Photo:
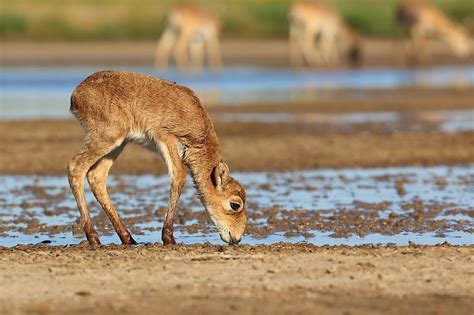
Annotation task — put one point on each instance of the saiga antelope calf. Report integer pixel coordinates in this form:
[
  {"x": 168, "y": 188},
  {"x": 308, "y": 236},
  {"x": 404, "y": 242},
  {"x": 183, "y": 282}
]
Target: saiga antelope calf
[
  {"x": 423, "y": 20},
  {"x": 319, "y": 36},
  {"x": 189, "y": 35},
  {"x": 115, "y": 108}
]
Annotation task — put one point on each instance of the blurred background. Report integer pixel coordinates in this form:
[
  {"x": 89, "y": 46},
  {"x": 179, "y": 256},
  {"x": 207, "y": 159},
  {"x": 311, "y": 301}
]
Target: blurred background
[
  {"x": 109, "y": 20},
  {"x": 47, "y": 47},
  {"x": 67, "y": 40}
]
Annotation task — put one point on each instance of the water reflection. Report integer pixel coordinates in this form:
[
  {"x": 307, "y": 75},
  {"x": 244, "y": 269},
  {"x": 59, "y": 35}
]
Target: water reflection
[
  {"x": 441, "y": 120},
  {"x": 39, "y": 93}
]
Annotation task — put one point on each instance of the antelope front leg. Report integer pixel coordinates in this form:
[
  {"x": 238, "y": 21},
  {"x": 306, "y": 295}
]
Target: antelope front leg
[
  {"x": 175, "y": 192},
  {"x": 181, "y": 51},
  {"x": 163, "y": 49},
  {"x": 419, "y": 46},
  {"x": 177, "y": 174},
  {"x": 214, "y": 53}
]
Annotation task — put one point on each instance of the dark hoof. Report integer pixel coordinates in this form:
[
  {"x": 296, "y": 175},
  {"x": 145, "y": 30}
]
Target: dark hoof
[
  {"x": 168, "y": 240},
  {"x": 93, "y": 240},
  {"x": 131, "y": 241},
  {"x": 167, "y": 236},
  {"x": 127, "y": 238}
]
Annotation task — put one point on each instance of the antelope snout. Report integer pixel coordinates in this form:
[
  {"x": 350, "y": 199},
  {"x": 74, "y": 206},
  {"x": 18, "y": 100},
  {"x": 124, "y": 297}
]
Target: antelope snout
[
  {"x": 234, "y": 240},
  {"x": 230, "y": 239}
]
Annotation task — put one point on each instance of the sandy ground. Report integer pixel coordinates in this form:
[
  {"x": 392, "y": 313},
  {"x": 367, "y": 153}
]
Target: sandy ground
[
  {"x": 204, "y": 279},
  {"x": 235, "y": 52}
]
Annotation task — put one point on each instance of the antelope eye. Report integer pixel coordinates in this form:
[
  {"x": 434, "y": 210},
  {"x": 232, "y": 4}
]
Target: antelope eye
[{"x": 235, "y": 206}]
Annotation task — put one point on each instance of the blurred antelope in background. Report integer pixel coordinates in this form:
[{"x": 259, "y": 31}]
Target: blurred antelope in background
[
  {"x": 190, "y": 34},
  {"x": 115, "y": 108},
  {"x": 319, "y": 36},
  {"x": 423, "y": 21}
]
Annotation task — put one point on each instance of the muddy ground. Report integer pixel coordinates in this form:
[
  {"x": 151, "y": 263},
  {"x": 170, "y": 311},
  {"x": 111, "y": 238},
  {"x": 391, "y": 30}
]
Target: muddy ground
[
  {"x": 205, "y": 279},
  {"x": 45, "y": 146},
  {"x": 42, "y": 209},
  {"x": 270, "y": 53}
]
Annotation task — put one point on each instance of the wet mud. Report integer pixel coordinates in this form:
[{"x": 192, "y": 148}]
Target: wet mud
[
  {"x": 347, "y": 128},
  {"x": 429, "y": 205}
]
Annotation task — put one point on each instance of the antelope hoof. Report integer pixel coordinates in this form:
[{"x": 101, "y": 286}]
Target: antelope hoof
[
  {"x": 93, "y": 240},
  {"x": 130, "y": 241},
  {"x": 168, "y": 240},
  {"x": 167, "y": 236}
]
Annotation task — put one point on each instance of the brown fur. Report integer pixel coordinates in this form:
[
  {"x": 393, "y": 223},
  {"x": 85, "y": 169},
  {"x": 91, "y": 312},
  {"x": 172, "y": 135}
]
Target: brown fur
[
  {"x": 189, "y": 35},
  {"x": 117, "y": 107},
  {"x": 422, "y": 21},
  {"x": 320, "y": 36}
]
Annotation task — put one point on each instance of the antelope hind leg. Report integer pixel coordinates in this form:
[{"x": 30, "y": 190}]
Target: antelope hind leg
[
  {"x": 97, "y": 177},
  {"x": 92, "y": 151}
]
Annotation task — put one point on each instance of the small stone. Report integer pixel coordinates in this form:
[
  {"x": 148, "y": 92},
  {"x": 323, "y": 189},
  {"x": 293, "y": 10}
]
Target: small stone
[{"x": 82, "y": 293}]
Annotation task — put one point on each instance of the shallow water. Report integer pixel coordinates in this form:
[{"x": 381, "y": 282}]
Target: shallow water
[
  {"x": 347, "y": 206},
  {"x": 44, "y": 93},
  {"x": 443, "y": 120}
]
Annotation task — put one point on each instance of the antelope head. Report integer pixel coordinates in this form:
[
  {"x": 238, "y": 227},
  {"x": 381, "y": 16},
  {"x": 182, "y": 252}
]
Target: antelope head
[
  {"x": 459, "y": 39},
  {"x": 225, "y": 204}
]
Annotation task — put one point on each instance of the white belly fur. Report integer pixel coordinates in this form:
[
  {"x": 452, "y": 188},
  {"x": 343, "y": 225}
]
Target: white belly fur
[{"x": 156, "y": 145}]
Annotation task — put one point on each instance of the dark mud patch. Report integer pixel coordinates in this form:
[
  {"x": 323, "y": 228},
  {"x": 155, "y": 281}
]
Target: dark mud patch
[
  {"x": 36, "y": 147},
  {"x": 376, "y": 122}
]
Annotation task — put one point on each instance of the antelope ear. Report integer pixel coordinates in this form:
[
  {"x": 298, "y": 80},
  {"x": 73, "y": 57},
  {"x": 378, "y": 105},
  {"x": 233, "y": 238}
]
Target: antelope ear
[{"x": 220, "y": 175}]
